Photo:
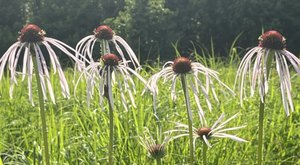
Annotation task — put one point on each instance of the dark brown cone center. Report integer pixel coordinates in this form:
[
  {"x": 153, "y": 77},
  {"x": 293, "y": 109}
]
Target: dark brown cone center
[
  {"x": 110, "y": 59},
  {"x": 104, "y": 32},
  {"x": 157, "y": 151},
  {"x": 204, "y": 131},
  {"x": 31, "y": 33},
  {"x": 272, "y": 40},
  {"x": 182, "y": 65}
]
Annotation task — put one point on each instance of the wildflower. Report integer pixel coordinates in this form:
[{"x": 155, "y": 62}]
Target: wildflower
[
  {"x": 155, "y": 149},
  {"x": 257, "y": 64},
  {"x": 105, "y": 35},
  {"x": 29, "y": 44},
  {"x": 172, "y": 70},
  {"x": 205, "y": 133},
  {"x": 108, "y": 71}
]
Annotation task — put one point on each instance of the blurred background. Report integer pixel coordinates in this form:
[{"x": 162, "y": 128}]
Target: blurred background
[{"x": 154, "y": 27}]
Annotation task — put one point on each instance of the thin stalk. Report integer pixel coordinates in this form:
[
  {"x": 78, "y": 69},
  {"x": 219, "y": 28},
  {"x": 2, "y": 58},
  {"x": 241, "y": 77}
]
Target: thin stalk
[
  {"x": 111, "y": 119},
  {"x": 268, "y": 64},
  {"x": 158, "y": 161},
  {"x": 260, "y": 132},
  {"x": 189, "y": 114},
  {"x": 104, "y": 47},
  {"x": 111, "y": 135},
  {"x": 42, "y": 110},
  {"x": 204, "y": 154}
]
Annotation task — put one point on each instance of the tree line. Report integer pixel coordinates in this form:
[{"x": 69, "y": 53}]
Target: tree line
[{"x": 153, "y": 27}]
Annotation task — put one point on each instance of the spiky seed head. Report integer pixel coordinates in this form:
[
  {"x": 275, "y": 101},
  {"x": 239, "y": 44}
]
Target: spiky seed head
[
  {"x": 203, "y": 131},
  {"x": 182, "y": 65},
  {"x": 104, "y": 32},
  {"x": 272, "y": 40},
  {"x": 110, "y": 59},
  {"x": 157, "y": 151},
  {"x": 31, "y": 33}
]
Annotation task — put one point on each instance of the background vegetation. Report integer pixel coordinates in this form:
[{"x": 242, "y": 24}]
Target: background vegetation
[{"x": 151, "y": 26}]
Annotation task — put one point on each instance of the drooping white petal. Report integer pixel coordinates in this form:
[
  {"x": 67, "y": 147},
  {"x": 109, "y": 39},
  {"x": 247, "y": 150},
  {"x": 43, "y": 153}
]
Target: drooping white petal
[
  {"x": 40, "y": 72},
  {"x": 25, "y": 62},
  {"x": 206, "y": 141},
  {"x": 30, "y": 73},
  {"x": 128, "y": 49}
]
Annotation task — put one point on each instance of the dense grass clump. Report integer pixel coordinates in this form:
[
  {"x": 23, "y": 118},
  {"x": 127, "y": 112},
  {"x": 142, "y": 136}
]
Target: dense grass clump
[{"x": 79, "y": 134}]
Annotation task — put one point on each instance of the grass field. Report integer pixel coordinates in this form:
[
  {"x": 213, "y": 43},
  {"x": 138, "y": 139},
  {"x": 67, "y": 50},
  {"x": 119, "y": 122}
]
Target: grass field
[{"x": 79, "y": 134}]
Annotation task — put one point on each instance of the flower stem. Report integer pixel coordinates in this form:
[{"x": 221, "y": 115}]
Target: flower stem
[
  {"x": 159, "y": 161},
  {"x": 189, "y": 114},
  {"x": 111, "y": 119},
  {"x": 42, "y": 111},
  {"x": 260, "y": 132},
  {"x": 204, "y": 155},
  {"x": 111, "y": 135}
]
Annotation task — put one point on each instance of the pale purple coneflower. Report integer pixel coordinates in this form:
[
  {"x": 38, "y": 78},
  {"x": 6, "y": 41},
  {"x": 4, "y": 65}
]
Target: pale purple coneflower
[
  {"x": 256, "y": 65},
  {"x": 108, "y": 71},
  {"x": 172, "y": 70},
  {"x": 105, "y": 35},
  {"x": 188, "y": 73},
  {"x": 28, "y": 46},
  {"x": 155, "y": 148},
  {"x": 204, "y": 132}
]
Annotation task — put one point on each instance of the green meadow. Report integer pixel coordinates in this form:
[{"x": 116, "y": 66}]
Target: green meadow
[{"x": 78, "y": 134}]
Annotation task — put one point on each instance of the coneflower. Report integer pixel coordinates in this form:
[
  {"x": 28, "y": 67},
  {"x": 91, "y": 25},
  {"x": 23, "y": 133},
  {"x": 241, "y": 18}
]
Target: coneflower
[
  {"x": 257, "y": 64},
  {"x": 105, "y": 35},
  {"x": 188, "y": 72},
  {"x": 106, "y": 73},
  {"x": 204, "y": 132},
  {"x": 155, "y": 149},
  {"x": 28, "y": 47}
]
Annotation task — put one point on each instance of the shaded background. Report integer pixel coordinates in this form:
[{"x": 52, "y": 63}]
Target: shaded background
[{"x": 152, "y": 26}]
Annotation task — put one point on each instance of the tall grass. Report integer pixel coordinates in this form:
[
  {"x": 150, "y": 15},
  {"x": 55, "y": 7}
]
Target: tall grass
[{"x": 79, "y": 135}]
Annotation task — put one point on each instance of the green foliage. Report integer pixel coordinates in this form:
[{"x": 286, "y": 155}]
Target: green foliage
[
  {"x": 143, "y": 22},
  {"x": 10, "y": 23},
  {"x": 79, "y": 135},
  {"x": 151, "y": 26}
]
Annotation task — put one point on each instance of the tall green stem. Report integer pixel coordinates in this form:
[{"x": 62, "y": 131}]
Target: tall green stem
[
  {"x": 260, "y": 132},
  {"x": 111, "y": 120},
  {"x": 188, "y": 110},
  {"x": 268, "y": 64},
  {"x": 159, "y": 161},
  {"x": 204, "y": 155},
  {"x": 42, "y": 110}
]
